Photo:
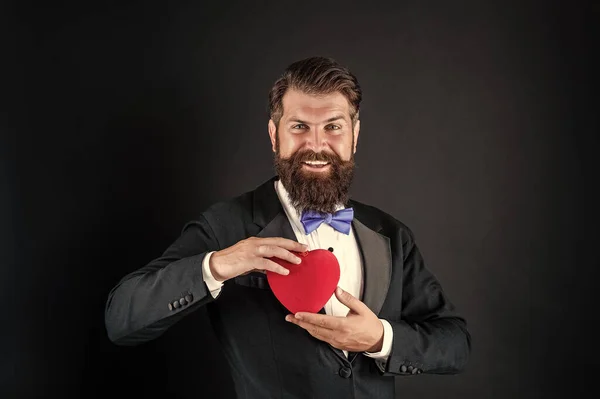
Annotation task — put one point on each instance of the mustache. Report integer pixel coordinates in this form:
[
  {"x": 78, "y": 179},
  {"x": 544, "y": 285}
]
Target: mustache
[{"x": 312, "y": 156}]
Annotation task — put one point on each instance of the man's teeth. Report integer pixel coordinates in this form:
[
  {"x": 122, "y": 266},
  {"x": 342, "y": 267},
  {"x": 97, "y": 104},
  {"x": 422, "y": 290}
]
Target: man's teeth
[{"x": 316, "y": 163}]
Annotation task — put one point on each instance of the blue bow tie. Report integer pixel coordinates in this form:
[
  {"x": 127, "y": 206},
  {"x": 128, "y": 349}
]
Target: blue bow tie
[{"x": 340, "y": 220}]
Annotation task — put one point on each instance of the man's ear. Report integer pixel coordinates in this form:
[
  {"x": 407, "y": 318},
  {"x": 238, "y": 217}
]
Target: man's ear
[
  {"x": 356, "y": 131},
  {"x": 272, "y": 133}
]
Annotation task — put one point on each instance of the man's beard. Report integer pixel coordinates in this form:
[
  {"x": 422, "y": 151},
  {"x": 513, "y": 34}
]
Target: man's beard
[{"x": 316, "y": 191}]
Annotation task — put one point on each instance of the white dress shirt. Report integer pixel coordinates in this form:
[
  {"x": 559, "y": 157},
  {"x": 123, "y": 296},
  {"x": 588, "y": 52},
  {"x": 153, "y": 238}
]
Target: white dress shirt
[{"x": 345, "y": 249}]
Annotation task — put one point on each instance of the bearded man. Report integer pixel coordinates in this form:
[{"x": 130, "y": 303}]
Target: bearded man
[{"x": 388, "y": 317}]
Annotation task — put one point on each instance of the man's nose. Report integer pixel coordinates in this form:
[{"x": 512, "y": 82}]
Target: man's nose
[{"x": 317, "y": 140}]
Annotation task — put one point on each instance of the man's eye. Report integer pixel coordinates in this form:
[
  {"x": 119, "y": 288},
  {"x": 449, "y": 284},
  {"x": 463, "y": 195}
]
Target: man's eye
[
  {"x": 333, "y": 127},
  {"x": 300, "y": 126}
]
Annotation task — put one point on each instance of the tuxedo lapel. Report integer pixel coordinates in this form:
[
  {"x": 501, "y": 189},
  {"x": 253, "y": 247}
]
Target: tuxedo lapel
[
  {"x": 278, "y": 227},
  {"x": 268, "y": 214},
  {"x": 377, "y": 264}
]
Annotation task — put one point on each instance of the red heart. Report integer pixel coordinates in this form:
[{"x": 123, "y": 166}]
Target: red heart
[{"x": 310, "y": 284}]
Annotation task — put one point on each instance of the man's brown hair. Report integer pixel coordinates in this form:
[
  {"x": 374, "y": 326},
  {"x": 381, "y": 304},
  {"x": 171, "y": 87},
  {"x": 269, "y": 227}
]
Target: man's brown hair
[{"x": 315, "y": 76}]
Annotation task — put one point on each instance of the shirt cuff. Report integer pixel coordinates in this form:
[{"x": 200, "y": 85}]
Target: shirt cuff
[
  {"x": 213, "y": 285},
  {"x": 386, "y": 347}
]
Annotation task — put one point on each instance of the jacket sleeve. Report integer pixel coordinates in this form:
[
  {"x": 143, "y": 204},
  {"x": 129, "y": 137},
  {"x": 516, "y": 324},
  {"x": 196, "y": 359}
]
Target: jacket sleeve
[
  {"x": 146, "y": 302},
  {"x": 430, "y": 336}
]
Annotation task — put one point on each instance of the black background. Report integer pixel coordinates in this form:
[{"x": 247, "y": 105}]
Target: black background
[{"x": 122, "y": 121}]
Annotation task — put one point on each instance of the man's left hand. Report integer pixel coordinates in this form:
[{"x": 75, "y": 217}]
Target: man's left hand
[{"x": 360, "y": 331}]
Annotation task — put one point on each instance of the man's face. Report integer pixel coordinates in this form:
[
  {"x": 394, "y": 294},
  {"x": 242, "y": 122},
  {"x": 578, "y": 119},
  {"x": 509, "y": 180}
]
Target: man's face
[
  {"x": 314, "y": 147},
  {"x": 315, "y": 123}
]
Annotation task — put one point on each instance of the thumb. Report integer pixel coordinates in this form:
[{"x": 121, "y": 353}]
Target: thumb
[{"x": 347, "y": 299}]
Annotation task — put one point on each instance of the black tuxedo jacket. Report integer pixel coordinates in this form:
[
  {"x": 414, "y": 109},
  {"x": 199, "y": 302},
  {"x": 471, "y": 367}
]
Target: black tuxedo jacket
[{"x": 269, "y": 357}]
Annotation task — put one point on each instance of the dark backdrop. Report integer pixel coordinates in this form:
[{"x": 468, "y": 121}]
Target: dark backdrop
[{"x": 122, "y": 121}]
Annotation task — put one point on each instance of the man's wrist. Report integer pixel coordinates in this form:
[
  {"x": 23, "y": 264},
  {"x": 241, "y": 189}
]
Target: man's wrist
[
  {"x": 387, "y": 341},
  {"x": 213, "y": 268},
  {"x": 379, "y": 344},
  {"x": 213, "y": 285}
]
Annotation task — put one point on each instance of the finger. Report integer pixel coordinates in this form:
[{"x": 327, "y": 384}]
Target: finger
[
  {"x": 285, "y": 243},
  {"x": 318, "y": 332},
  {"x": 273, "y": 251},
  {"x": 354, "y": 304},
  {"x": 321, "y": 320},
  {"x": 266, "y": 264}
]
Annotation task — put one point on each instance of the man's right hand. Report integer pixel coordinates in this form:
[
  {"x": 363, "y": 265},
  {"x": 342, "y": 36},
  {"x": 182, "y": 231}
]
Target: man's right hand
[{"x": 251, "y": 255}]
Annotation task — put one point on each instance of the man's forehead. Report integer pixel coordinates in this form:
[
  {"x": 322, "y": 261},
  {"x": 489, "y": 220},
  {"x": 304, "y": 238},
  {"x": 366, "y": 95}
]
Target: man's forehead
[{"x": 298, "y": 104}]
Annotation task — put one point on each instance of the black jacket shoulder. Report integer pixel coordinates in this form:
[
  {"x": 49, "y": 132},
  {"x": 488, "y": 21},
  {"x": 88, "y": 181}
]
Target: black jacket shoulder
[{"x": 382, "y": 222}]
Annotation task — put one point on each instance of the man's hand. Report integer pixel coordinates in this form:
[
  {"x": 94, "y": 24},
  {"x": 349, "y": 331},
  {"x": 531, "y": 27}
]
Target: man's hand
[
  {"x": 251, "y": 255},
  {"x": 360, "y": 331}
]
